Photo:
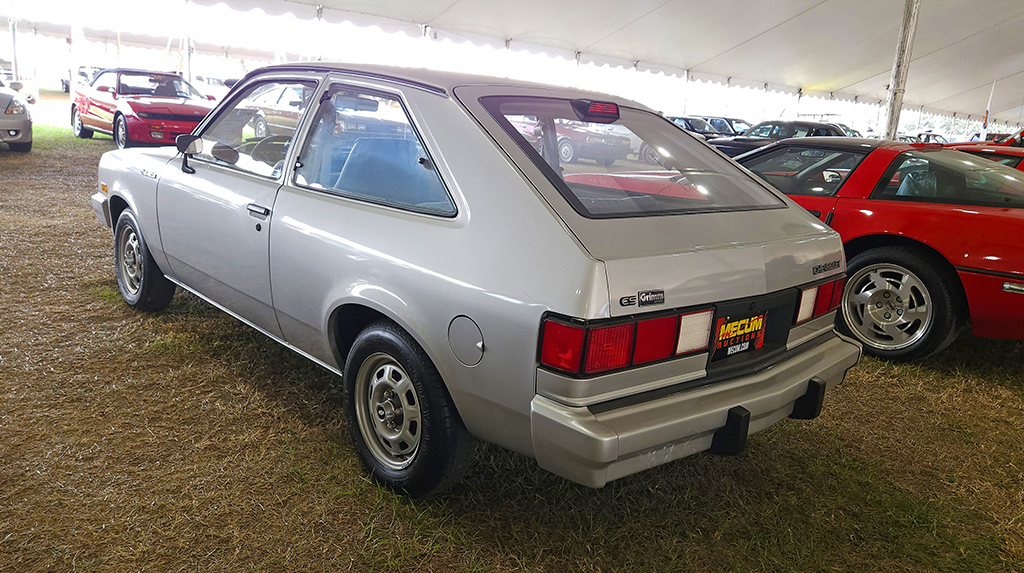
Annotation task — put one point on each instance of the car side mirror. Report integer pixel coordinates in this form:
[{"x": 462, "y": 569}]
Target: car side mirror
[
  {"x": 104, "y": 89},
  {"x": 17, "y": 86},
  {"x": 188, "y": 145},
  {"x": 210, "y": 97}
]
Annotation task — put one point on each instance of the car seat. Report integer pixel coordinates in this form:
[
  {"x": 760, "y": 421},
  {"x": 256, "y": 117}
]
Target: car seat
[
  {"x": 918, "y": 184},
  {"x": 389, "y": 169},
  {"x": 165, "y": 89}
]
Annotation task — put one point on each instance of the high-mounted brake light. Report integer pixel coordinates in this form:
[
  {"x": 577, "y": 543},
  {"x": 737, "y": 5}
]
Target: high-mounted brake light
[{"x": 595, "y": 111}]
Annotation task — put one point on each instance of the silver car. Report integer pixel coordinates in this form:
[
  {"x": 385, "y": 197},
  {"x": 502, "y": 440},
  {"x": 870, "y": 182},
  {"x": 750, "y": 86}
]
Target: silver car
[
  {"x": 15, "y": 119},
  {"x": 465, "y": 283}
]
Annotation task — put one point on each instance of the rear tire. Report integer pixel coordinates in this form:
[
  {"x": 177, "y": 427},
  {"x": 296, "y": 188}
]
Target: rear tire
[
  {"x": 77, "y": 127},
  {"x": 143, "y": 286},
  {"x": 403, "y": 423},
  {"x": 567, "y": 151},
  {"x": 608, "y": 162},
  {"x": 901, "y": 303},
  {"x": 648, "y": 155},
  {"x": 24, "y": 147}
]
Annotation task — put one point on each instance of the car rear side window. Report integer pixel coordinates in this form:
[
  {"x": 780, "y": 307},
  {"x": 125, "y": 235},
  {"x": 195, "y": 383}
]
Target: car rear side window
[
  {"x": 947, "y": 176},
  {"x": 253, "y": 132},
  {"x": 800, "y": 170},
  {"x": 639, "y": 165},
  {"x": 362, "y": 145},
  {"x": 720, "y": 124}
]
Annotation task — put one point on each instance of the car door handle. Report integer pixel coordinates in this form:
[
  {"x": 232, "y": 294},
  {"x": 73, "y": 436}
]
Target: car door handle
[{"x": 258, "y": 211}]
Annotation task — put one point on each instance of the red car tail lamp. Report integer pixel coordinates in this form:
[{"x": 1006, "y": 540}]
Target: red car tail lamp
[
  {"x": 609, "y": 348},
  {"x": 563, "y": 346},
  {"x": 588, "y": 350},
  {"x": 820, "y": 299}
]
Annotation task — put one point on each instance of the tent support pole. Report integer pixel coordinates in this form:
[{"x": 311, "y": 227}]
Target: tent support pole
[
  {"x": 13, "y": 22},
  {"x": 900, "y": 67},
  {"x": 984, "y": 122}
]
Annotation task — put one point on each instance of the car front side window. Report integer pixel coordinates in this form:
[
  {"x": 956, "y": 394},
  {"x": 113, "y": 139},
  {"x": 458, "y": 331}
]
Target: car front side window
[
  {"x": 762, "y": 131},
  {"x": 239, "y": 135},
  {"x": 362, "y": 145}
]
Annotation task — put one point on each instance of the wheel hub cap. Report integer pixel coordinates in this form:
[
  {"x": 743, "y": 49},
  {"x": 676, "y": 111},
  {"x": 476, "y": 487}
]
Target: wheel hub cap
[
  {"x": 388, "y": 411},
  {"x": 887, "y": 306},
  {"x": 131, "y": 260}
]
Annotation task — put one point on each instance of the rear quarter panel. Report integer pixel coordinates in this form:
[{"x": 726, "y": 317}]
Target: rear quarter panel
[{"x": 504, "y": 261}]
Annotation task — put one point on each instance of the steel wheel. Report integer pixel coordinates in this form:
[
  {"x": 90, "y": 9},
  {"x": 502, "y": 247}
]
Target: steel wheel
[
  {"x": 566, "y": 152},
  {"x": 76, "y": 123},
  {"x": 121, "y": 132},
  {"x": 887, "y": 306},
  {"x": 131, "y": 259},
  {"x": 388, "y": 411},
  {"x": 259, "y": 128}
]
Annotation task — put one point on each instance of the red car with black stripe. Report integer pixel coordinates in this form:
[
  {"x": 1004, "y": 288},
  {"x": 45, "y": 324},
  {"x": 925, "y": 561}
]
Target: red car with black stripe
[
  {"x": 932, "y": 236},
  {"x": 138, "y": 107}
]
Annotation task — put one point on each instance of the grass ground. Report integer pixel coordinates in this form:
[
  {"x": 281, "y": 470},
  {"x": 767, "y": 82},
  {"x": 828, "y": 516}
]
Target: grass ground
[{"x": 184, "y": 441}]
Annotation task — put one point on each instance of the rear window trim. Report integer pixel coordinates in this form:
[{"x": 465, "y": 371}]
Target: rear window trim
[{"x": 559, "y": 184}]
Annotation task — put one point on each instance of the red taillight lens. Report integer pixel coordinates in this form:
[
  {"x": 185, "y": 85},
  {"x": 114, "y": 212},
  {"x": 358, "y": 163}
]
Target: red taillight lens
[
  {"x": 694, "y": 331},
  {"x": 823, "y": 299},
  {"x": 609, "y": 348},
  {"x": 562, "y": 347},
  {"x": 655, "y": 339},
  {"x": 837, "y": 294}
]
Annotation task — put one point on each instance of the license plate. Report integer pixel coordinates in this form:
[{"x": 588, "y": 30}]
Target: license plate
[{"x": 734, "y": 335}]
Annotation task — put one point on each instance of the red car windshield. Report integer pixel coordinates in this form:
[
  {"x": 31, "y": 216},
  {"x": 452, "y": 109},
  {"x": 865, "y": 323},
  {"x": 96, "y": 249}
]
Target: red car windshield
[
  {"x": 156, "y": 85},
  {"x": 639, "y": 165}
]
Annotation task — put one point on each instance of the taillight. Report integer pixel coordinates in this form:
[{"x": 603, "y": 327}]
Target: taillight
[
  {"x": 609, "y": 348},
  {"x": 563, "y": 346},
  {"x": 820, "y": 299},
  {"x": 655, "y": 339},
  {"x": 694, "y": 331},
  {"x": 592, "y": 350}
]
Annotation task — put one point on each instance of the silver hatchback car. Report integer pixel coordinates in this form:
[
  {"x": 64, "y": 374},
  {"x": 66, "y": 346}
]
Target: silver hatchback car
[{"x": 419, "y": 234}]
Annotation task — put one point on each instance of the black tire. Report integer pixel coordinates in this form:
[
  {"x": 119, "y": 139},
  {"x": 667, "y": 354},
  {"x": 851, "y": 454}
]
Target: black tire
[
  {"x": 259, "y": 128},
  {"x": 648, "y": 155},
  {"x": 143, "y": 286},
  {"x": 607, "y": 162},
  {"x": 864, "y": 314},
  {"x": 121, "y": 137},
  {"x": 21, "y": 147},
  {"x": 444, "y": 448},
  {"x": 76, "y": 125},
  {"x": 567, "y": 151}
]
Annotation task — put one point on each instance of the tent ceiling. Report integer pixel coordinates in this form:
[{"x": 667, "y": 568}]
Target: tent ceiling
[{"x": 840, "y": 46}]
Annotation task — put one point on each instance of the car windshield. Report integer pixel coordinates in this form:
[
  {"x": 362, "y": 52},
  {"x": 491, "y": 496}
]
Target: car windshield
[
  {"x": 701, "y": 126},
  {"x": 949, "y": 176},
  {"x": 740, "y": 126},
  {"x": 159, "y": 85},
  {"x": 602, "y": 173}
]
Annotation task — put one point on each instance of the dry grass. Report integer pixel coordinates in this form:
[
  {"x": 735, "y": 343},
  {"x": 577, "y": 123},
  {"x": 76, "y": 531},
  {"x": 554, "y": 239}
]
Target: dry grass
[{"x": 186, "y": 442}]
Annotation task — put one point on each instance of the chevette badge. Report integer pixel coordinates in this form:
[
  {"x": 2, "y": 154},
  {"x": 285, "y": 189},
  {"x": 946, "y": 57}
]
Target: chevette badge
[
  {"x": 825, "y": 267},
  {"x": 649, "y": 297}
]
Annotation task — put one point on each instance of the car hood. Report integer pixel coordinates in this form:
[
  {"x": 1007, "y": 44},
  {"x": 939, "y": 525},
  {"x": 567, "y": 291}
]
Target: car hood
[{"x": 197, "y": 107}]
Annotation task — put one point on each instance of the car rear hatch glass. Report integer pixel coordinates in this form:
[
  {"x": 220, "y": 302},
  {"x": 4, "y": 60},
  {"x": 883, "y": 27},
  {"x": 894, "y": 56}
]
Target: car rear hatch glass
[{"x": 638, "y": 165}]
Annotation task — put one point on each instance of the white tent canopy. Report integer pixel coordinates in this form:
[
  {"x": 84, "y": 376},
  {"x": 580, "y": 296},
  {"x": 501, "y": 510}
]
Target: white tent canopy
[{"x": 839, "y": 47}]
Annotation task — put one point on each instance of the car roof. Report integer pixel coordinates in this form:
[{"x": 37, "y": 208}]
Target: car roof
[{"x": 432, "y": 80}]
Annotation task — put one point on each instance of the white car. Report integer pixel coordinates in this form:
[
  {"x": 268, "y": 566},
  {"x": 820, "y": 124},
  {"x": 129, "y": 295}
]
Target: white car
[
  {"x": 16, "y": 120},
  {"x": 408, "y": 232}
]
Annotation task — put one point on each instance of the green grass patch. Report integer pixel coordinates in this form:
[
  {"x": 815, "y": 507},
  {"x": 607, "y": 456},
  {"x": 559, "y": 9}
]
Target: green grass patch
[{"x": 62, "y": 140}]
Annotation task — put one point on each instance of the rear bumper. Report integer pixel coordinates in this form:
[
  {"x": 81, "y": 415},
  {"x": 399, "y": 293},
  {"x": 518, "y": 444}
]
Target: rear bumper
[
  {"x": 593, "y": 449},
  {"x": 15, "y": 130}
]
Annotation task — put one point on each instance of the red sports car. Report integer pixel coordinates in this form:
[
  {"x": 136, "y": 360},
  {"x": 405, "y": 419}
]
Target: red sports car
[
  {"x": 932, "y": 235},
  {"x": 138, "y": 107}
]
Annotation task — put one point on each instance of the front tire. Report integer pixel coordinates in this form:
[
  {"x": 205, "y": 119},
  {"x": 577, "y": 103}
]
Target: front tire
[
  {"x": 140, "y": 281},
  {"x": 900, "y": 303},
  {"x": 403, "y": 423},
  {"x": 121, "y": 133},
  {"x": 77, "y": 127}
]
